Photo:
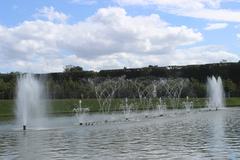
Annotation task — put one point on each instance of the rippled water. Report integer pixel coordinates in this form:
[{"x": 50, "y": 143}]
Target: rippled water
[{"x": 195, "y": 135}]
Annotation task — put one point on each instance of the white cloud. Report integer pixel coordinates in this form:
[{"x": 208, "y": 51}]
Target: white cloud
[
  {"x": 205, "y": 54},
  {"x": 195, "y": 55},
  {"x": 204, "y": 9},
  {"x": 216, "y": 26},
  {"x": 108, "y": 39},
  {"x": 108, "y": 31},
  {"x": 51, "y": 14},
  {"x": 238, "y": 35}
]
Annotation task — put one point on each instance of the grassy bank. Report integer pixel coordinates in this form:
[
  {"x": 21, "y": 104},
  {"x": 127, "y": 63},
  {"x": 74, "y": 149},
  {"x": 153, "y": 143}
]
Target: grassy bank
[{"x": 57, "y": 106}]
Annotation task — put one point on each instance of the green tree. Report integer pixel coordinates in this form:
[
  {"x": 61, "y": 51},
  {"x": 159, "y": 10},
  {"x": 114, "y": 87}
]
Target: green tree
[
  {"x": 199, "y": 89},
  {"x": 229, "y": 87},
  {"x": 71, "y": 68}
]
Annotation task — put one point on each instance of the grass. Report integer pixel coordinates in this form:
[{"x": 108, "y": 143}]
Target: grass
[
  {"x": 233, "y": 102},
  {"x": 7, "y": 107},
  {"x": 59, "y": 106}
]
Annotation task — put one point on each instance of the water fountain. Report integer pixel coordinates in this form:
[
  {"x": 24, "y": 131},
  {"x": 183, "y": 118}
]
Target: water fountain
[
  {"x": 161, "y": 106},
  {"x": 215, "y": 92},
  {"x": 188, "y": 105},
  {"x": 126, "y": 109},
  {"x": 30, "y": 106},
  {"x": 80, "y": 111},
  {"x": 173, "y": 89},
  {"x": 105, "y": 92}
]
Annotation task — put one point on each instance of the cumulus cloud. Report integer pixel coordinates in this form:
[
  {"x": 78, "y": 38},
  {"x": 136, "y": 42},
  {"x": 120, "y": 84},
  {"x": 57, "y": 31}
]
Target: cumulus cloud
[
  {"x": 111, "y": 30},
  {"x": 204, "y": 9},
  {"x": 108, "y": 39},
  {"x": 108, "y": 31},
  {"x": 216, "y": 26},
  {"x": 51, "y": 14}
]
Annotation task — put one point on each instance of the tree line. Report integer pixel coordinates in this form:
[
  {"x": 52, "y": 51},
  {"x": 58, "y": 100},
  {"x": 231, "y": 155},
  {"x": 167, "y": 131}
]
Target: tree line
[{"x": 74, "y": 82}]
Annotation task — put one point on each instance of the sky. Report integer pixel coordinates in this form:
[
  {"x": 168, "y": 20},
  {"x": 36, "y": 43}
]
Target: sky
[{"x": 46, "y": 35}]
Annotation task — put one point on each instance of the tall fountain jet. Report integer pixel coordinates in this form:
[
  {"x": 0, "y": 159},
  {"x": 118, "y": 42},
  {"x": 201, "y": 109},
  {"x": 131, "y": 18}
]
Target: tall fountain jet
[
  {"x": 30, "y": 106},
  {"x": 215, "y": 93}
]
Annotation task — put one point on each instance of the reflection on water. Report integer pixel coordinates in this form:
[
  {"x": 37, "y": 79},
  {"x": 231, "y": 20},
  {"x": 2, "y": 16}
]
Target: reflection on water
[{"x": 197, "y": 135}]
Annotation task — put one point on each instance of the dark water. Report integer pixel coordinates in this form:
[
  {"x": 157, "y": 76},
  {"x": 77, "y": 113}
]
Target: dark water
[{"x": 196, "y": 135}]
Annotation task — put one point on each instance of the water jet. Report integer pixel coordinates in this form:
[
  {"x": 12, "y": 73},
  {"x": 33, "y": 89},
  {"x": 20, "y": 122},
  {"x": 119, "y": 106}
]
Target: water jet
[
  {"x": 30, "y": 107},
  {"x": 216, "y": 98}
]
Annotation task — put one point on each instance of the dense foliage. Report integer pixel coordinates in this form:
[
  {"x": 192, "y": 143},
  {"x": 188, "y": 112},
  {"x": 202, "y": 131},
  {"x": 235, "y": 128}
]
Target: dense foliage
[{"x": 74, "y": 82}]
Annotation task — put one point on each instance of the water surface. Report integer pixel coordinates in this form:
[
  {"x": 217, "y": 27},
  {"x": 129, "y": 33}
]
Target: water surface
[{"x": 195, "y": 135}]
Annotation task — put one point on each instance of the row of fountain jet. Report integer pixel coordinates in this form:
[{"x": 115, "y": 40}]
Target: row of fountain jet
[
  {"x": 30, "y": 91},
  {"x": 150, "y": 102}
]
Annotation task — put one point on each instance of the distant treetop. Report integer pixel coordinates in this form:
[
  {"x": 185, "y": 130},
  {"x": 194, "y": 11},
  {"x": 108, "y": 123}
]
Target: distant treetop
[{"x": 72, "y": 68}]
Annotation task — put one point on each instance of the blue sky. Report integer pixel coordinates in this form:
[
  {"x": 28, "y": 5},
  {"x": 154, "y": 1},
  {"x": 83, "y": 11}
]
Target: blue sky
[{"x": 44, "y": 36}]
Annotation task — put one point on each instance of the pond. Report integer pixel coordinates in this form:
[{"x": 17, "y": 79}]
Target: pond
[{"x": 176, "y": 135}]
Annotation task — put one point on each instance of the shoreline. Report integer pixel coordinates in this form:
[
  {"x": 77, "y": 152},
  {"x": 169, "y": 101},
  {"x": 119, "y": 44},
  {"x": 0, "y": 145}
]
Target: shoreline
[{"x": 65, "y": 106}]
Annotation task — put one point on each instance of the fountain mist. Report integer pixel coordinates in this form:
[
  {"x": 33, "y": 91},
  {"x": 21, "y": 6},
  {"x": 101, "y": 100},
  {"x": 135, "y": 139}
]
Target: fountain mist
[
  {"x": 215, "y": 93},
  {"x": 30, "y": 106}
]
